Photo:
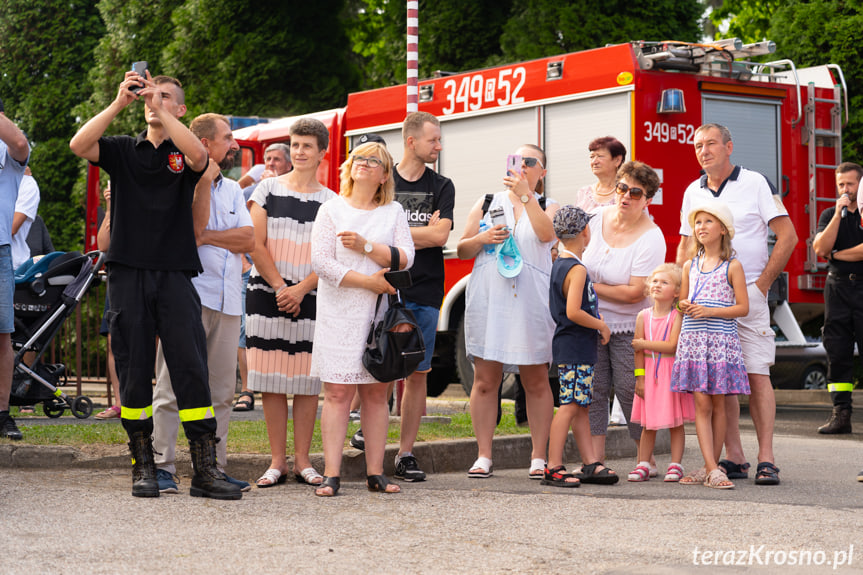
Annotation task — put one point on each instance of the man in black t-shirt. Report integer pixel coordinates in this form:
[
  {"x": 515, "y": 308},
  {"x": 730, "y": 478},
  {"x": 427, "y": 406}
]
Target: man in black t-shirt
[
  {"x": 840, "y": 241},
  {"x": 428, "y": 199},
  {"x": 151, "y": 260}
]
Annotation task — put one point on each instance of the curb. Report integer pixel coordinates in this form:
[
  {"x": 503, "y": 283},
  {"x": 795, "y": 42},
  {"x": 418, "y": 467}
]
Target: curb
[{"x": 509, "y": 452}]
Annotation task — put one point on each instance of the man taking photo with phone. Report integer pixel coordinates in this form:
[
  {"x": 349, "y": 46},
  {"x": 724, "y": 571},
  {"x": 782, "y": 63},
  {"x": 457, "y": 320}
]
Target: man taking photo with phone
[{"x": 151, "y": 260}]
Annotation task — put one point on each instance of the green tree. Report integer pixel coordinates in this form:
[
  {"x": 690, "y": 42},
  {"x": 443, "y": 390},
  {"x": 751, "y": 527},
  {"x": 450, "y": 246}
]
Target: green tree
[
  {"x": 453, "y": 36},
  {"x": 539, "y": 28},
  {"x": 235, "y": 58},
  {"x": 826, "y": 31},
  {"x": 46, "y": 50},
  {"x": 748, "y": 20},
  {"x": 137, "y": 30}
]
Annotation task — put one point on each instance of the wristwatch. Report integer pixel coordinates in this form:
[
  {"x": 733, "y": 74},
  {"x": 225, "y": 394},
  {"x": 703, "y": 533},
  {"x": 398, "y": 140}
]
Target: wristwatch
[
  {"x": 525, "y": 199},
  {"x": 367, "y": 249}
]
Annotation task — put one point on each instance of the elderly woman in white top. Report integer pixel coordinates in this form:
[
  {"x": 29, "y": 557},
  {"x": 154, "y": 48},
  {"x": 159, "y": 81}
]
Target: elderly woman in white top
[
  {"x": 607, "y": 154},
  {"x": 625, "y": 247},
  {"x": 508, "y": 327}
]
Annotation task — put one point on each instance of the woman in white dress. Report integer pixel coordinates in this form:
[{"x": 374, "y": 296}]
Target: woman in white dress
[
  {"x": 508, "y": 327},
  {"x": 351, "y": 243},
  {"x": 607, "y": 154}
]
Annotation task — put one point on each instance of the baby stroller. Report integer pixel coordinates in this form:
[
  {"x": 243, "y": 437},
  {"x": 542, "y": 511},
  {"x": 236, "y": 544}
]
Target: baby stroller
[{"x": 46, "y": 293}]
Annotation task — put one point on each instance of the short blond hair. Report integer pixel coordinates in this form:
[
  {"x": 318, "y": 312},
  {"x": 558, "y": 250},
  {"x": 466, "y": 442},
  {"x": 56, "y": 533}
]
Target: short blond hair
[
  {"x": 386, "y": 191},
  {"x": 414, "y": 123}
]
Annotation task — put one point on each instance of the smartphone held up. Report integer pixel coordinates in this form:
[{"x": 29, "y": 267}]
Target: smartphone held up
[
  {"x": 513, "y": 164},
  {"x": 139, "y": 68}
]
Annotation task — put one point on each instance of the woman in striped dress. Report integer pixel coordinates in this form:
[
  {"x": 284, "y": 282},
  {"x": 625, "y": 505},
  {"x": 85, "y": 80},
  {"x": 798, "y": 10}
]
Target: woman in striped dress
[{"x": 280, "y": 302}]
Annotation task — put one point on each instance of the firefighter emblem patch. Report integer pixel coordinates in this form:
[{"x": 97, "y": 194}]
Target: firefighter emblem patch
[{"x": 175, "y": 162}]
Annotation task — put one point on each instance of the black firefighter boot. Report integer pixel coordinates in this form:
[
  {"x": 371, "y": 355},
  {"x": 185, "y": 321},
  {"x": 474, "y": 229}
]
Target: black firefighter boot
[
  {"x": 208, "y": 481},
  {"x": 839, "y": 422},
  {"x": 144, "y": 482}
]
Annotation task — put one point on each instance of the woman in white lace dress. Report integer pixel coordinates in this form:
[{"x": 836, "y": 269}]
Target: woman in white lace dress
[{"x": 351, "y": 243}]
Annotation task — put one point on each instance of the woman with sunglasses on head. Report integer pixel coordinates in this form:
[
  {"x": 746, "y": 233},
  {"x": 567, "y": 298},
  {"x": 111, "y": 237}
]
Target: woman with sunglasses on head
[
  {"x": 508, "y": 327},
  {"x": 625, "y": 247},
  {"x": 607, "y": 154},
  {"x": 351, "y": 243}
]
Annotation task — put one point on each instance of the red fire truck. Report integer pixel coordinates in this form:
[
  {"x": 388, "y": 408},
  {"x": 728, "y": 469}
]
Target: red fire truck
[{"x": 786, "y": 123}]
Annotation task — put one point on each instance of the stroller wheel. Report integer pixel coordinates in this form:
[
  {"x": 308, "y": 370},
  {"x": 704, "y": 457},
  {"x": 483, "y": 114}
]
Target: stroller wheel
[
  {"x": 82, "y": 407},
  {"x": 53, "y": 408}
]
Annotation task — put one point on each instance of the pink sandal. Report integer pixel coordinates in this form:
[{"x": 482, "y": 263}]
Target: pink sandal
[{"x": 640, "y": 473}]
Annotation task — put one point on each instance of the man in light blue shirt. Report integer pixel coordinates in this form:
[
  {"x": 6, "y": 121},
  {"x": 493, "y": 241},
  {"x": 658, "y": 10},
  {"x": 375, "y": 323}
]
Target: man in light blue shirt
[
  {"x": 223, "y": 230},
  {"x": 14, "y": 154}
]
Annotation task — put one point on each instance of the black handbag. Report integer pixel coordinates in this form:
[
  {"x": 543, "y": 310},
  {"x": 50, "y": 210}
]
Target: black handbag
[{"x": 392, "y": 355}]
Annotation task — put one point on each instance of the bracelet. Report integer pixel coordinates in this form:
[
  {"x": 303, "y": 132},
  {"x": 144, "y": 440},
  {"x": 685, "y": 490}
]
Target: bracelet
[
  {"x": 284, "y": 286},
  {"x": 639, "y": 372}
]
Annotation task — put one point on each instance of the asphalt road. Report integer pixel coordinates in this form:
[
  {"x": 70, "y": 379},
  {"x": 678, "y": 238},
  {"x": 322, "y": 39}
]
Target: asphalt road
[{"x": 85, "y": 521}]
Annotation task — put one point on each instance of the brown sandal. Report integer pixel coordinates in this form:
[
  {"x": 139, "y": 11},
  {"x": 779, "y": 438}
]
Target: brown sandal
[
  {"x": 718, "y": 480},
  {"x": 695, "y": 478}
]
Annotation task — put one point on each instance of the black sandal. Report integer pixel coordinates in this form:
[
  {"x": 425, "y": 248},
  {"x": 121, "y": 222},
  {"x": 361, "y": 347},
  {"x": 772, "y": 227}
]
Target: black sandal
[
  {"x": 589, "y": 474},
  {"x": 245, "y": 402},
  {"x": 767, "y": 474},
  {"x": 557, "y": 477},
  {"x": 333, "y": 483},
  {"x": 378, "y": 484},
  {"x": 734, "y": 470}
]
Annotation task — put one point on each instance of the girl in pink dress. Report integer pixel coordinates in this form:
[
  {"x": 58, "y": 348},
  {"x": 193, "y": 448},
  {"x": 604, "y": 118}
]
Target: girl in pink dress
[{"x": 655, "y": 406}]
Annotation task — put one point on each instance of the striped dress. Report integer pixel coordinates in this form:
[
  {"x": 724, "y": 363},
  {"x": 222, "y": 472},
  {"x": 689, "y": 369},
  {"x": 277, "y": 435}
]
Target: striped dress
[
  {"x": 278, "y": 345},
  {"x": 709, "y": 359}
]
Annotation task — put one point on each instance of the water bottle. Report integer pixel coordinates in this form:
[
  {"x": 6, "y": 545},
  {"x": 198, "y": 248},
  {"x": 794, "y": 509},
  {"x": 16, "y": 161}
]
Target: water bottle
[{"x": 489, "y": 248}]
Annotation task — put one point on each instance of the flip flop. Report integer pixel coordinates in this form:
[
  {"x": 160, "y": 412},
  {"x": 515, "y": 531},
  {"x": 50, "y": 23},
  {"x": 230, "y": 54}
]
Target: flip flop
[
  {"x": 270, "y": 478},
  {"x": 308, "y": 476}
]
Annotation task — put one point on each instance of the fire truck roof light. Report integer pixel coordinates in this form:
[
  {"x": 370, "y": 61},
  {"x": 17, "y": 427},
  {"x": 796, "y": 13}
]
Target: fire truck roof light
[{"x": 671, "y": 102}]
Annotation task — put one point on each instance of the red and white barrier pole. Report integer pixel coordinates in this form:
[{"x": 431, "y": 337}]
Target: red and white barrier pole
[{"x": 413, "y": 39}]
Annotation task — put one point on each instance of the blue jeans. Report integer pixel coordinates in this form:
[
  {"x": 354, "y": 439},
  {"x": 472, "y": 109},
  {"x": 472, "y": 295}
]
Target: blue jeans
[{"x": 426, "y": 317}]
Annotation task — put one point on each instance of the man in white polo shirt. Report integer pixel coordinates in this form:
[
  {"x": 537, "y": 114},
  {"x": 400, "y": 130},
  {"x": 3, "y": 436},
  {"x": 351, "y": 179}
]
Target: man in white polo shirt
[{"x": 756, "y": 205}]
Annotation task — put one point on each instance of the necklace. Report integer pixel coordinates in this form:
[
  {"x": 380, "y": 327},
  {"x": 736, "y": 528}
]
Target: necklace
[{"x": 599, "y": 194}]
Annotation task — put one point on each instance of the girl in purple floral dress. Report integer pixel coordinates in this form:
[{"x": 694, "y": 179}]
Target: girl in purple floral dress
[{"x": 709, "y": 361}]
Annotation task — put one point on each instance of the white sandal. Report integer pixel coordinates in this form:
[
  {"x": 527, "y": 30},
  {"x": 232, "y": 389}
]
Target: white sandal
[
  {"x": 308, "y": 477},
  {"x": 483, "y": 465},
  {"x": 536, "y": 465},
  {"x": 271, "y": 477}
]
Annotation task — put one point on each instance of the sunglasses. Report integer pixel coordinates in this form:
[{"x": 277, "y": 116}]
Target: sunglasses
[
  {"x": 531, "y": 162},
  {"x": 369, "y": 161},
  {"x": 634, "y": 193}
]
